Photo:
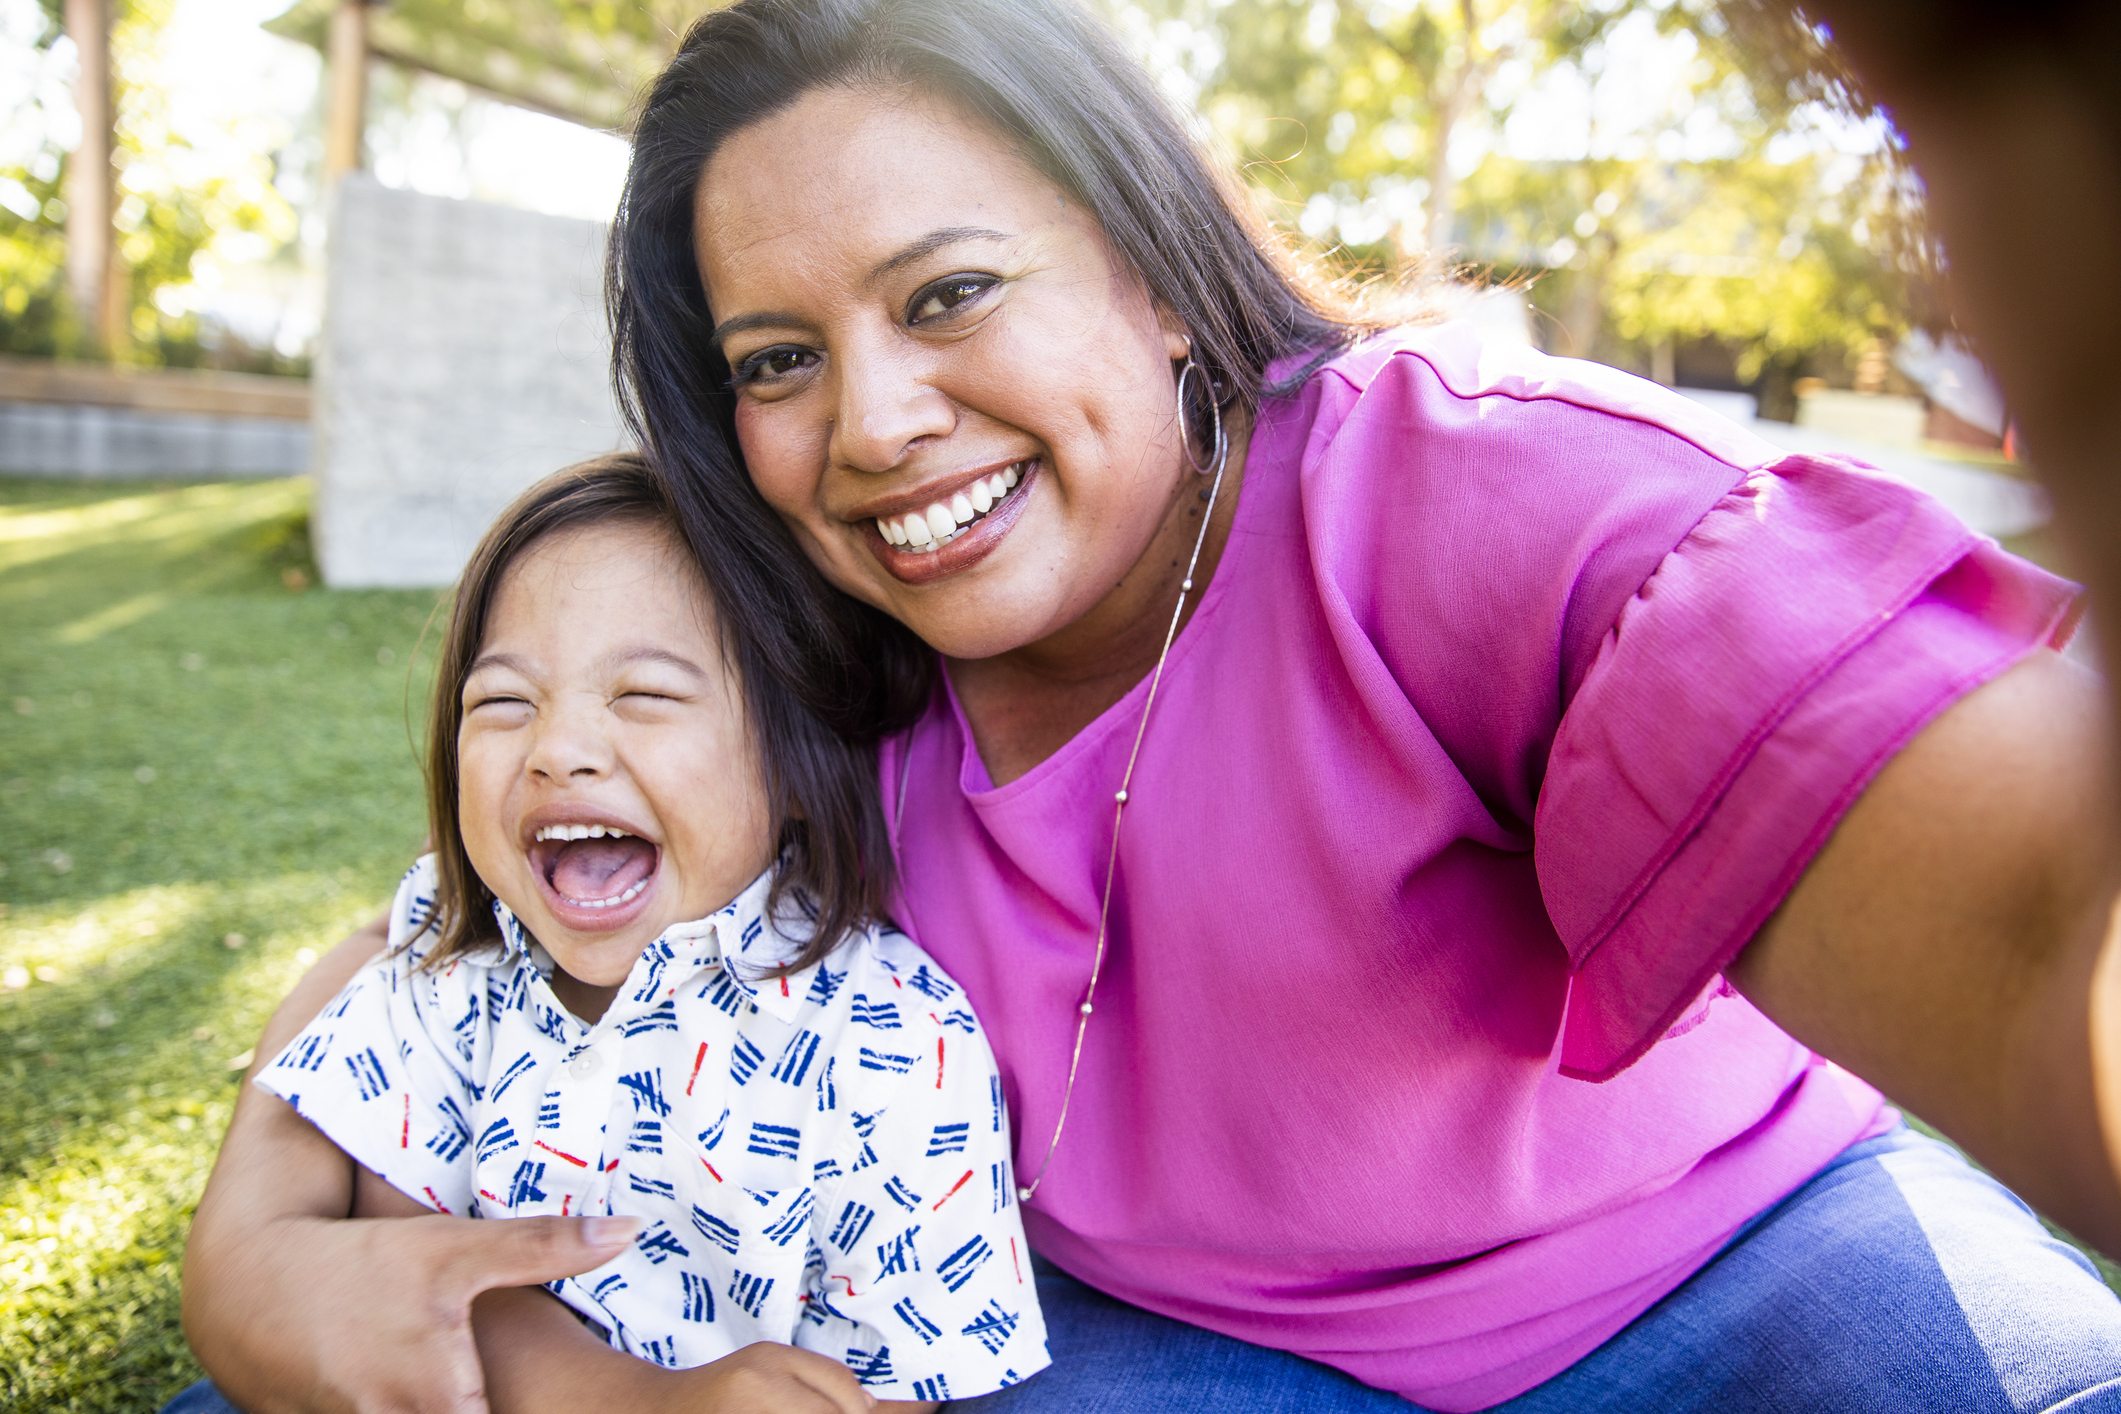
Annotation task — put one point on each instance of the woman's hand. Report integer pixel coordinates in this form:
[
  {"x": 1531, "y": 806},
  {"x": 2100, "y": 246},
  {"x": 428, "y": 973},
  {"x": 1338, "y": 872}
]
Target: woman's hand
[
  {"x": 1942, "y": 944},
  {"x": 540, "y": 1358},
  {"x": 290, "y": 1307}
]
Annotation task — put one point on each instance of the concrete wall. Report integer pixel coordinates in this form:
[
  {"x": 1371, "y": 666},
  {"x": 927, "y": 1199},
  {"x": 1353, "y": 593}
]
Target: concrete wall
[
  {"x": 92, "y": 420},
  {"x": 49, "y": 439},
  {"x": 464, "y": 355}
]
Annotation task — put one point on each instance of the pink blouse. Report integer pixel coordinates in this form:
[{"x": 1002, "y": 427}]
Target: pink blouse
[{"x": 1523, "y": 693}]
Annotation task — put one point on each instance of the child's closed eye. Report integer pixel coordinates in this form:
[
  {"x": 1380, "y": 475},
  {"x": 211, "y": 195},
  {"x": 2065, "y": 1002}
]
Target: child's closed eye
[{"x": 496, "y": 703}]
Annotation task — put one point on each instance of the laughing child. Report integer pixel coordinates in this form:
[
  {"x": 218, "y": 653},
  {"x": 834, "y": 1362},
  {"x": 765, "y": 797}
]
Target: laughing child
[{"x": 630, "y": 980}]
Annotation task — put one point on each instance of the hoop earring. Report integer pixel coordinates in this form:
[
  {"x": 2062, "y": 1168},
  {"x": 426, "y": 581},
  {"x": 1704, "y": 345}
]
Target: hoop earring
[{"x": 1220, "y": 445}]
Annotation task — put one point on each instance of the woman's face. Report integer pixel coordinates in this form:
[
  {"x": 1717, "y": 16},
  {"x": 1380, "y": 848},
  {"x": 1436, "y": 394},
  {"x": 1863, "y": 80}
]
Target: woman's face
[{"x": 945, "y": 382}]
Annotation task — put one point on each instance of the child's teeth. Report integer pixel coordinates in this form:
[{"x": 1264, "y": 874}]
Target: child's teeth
[
  {"x": 629, "y": 895},
  {"x": 581, "y": 832}
]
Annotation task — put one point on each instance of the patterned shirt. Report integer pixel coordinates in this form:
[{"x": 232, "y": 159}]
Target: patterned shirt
[{"x": 822, "y": 1159}]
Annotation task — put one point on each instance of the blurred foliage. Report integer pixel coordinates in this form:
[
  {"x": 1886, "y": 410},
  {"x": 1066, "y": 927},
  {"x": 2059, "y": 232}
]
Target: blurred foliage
[
  {"x": 177, "y": 218},
  {"x": 205, "y": 776},
  {"x": 1726, "y": 183},
  {"x": 585, "y": 60}
]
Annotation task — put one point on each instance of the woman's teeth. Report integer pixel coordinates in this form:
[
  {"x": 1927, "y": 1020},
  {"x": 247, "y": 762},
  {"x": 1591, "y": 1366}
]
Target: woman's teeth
[
  {"x": 582, "y": 832},
  {"x": 937, "y": 526}
]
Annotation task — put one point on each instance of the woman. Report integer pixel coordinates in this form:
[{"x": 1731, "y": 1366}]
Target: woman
[{"x": 1392, "y": 970}]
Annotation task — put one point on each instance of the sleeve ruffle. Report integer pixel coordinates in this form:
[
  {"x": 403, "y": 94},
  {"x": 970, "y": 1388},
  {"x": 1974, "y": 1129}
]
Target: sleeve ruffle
[{"x": 1808, "y": 627}]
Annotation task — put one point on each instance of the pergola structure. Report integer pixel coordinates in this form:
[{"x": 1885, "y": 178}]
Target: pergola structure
[{"x": 583, "y": 60}]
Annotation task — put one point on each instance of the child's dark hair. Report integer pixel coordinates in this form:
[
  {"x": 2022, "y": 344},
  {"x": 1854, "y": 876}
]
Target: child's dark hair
[{"x": 834, "y": 867}]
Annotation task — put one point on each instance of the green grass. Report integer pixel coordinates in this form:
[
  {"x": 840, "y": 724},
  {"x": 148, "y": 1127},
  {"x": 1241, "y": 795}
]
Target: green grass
[{"x": 204, "y": 776}]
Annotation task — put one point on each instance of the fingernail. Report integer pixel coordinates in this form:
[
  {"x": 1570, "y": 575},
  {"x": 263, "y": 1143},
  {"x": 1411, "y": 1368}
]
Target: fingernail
[{"x": 609, "y": 1232}]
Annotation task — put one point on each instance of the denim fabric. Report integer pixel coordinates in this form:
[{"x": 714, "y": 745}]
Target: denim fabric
[{"x": 1897, "y": 1279}]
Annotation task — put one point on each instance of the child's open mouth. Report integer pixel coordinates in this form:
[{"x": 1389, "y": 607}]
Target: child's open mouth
[{"x": 594, "y": 868}]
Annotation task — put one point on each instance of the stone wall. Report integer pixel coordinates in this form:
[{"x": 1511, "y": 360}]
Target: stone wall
[{"x": 464, "y": 355}]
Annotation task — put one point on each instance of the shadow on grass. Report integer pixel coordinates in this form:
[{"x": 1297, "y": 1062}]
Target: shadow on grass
[{"x": 194, "y": 746}]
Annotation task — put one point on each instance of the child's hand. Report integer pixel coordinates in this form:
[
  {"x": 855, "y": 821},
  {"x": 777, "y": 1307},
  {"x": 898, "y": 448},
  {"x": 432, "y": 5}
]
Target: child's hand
[{"x": 770, "y": 1379}]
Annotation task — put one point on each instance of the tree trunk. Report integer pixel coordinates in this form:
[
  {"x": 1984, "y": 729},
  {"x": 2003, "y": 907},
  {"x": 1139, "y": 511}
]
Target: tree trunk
[
  {"x": 1586, "y": 307},
  {"x": 1443, "y": 193},
  {"x": 91, "y": 253},
  {"x": 1466, "y": 86}
]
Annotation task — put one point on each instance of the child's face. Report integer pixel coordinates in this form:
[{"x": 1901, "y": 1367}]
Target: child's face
[{"x": 599, "y": 699}]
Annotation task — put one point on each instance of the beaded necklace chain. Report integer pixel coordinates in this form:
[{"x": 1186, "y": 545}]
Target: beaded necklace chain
[{"x": 1218, "y": 459}]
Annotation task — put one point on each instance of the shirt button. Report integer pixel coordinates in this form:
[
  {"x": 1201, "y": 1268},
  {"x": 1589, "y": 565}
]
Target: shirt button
[{"x": 585, "y": 1065}]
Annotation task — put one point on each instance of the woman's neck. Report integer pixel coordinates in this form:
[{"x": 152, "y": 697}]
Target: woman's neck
[{"x": 1028, "y": 703}]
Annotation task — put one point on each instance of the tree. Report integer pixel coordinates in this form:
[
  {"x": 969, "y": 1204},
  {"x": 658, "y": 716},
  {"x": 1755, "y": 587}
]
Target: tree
[
  {"x": 176, "y": 215},
  {"x": 1696, "y": 190}
]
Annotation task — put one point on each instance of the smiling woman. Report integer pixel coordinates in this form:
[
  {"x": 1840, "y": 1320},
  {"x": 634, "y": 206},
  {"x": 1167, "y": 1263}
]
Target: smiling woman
[
  {"x": 1434, "y": 903},
  {"x": 886, "y": 382}
]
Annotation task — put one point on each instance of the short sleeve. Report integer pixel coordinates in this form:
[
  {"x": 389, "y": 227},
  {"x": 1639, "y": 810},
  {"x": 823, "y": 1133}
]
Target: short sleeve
[
  {"x": 926, "y": 1290},
  {"x": 1812, "y": 622},
  {"x": 387, "y": 1069}
]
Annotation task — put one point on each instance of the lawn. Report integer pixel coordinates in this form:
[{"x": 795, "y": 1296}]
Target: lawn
[{"x": 205, "y": 776}]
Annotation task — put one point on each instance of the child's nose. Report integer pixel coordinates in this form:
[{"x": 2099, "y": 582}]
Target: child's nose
[{"x": 569, "y": 747}]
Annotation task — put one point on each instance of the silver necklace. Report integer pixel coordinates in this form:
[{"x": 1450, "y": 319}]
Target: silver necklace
[{"x": 1218, "y": 458}]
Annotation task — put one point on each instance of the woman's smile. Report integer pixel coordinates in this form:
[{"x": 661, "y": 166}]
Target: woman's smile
[{"x": 953, "y": 532}]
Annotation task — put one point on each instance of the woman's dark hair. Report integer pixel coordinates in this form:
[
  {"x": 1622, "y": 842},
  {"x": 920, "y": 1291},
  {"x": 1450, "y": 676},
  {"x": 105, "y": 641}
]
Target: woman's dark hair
[
  {"x": 1046, "y": 75},
  {"x": 834, "y": 868}
]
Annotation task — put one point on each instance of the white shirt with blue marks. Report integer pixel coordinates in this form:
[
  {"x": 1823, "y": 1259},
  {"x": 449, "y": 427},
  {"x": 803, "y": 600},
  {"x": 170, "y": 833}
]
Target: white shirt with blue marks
[{"x": 822, "y": 1160}]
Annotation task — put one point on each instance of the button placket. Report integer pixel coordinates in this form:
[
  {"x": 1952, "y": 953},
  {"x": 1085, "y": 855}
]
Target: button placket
[{"x": 583, "y": 1092}]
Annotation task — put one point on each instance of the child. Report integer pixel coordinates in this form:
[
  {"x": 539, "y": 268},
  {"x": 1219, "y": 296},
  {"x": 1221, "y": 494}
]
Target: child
[{"x": 626, "y": 983}]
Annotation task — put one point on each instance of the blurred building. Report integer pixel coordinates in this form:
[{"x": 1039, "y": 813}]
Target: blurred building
[{"x": 464, "y": 350}]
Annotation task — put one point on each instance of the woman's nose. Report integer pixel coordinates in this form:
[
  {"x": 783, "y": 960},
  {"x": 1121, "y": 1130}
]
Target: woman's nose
[{"x": 885, "y": 409}]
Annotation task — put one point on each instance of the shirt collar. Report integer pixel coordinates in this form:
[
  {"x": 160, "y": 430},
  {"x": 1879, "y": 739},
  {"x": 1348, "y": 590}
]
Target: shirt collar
[{"x": 741, "y": 935}]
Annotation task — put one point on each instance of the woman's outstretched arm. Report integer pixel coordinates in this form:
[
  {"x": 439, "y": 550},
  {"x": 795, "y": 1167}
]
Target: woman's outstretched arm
[
  {"x": 291, "y": 1306},
  {"x": 1943, "y": 944}
]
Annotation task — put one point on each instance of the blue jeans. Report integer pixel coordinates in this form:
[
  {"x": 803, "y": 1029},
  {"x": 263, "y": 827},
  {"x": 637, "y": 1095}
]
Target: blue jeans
[{"x": 1898, "y": 1279}]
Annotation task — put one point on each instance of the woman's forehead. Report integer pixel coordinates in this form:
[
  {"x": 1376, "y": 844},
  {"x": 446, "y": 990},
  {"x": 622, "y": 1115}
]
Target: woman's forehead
[{"x": 848, "y": 176}]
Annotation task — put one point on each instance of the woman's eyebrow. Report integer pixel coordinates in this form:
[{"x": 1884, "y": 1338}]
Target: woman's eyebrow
[
  {"x": 915, "y": 250},
  {"x": 739, "y": 323},
  {"x": 931, "y": 243}
]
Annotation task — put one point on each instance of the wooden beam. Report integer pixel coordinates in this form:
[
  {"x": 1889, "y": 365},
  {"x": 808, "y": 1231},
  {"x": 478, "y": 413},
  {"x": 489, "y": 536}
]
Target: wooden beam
[
  {"x": 91, "y": 251},
  {"x": 346, "y": 117},
  {"x": 187, "y": 390}
]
